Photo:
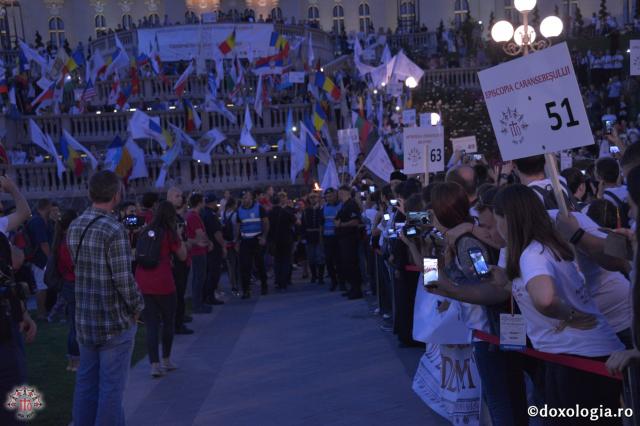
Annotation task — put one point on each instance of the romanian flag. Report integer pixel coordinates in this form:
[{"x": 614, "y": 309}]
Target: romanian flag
[
  {"x": 118, "y": 159},
  {"x": 327, "y": 85},
  {"x": 193, "y": 118},
  {"x": 228, "y": 45},
  {"x": 319, "y": 117},
  {"x": 71, "y": 157},
  {"x": 135, "y": 78},
  {"x": 78, "y": 57}
]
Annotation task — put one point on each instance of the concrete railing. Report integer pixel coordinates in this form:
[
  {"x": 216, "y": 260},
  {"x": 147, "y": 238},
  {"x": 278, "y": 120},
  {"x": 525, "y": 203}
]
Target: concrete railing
[
  {"x": 103, "y": 128},
  {"x": 225, "y": 172},
  {"x": 422, "y": 40},
  {"x": 465, "y": 78}
]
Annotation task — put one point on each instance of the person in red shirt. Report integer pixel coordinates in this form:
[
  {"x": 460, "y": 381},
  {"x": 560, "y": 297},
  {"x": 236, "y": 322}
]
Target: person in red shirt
[
  {"x": 159, "y": 290},
  {"x": 199, "y": 246},
  {"x": 64, "y": 265},
  {"x": 149, "y": 203}
]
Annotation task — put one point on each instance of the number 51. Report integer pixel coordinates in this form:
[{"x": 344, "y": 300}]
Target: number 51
[{"x": 556, "y": 116}]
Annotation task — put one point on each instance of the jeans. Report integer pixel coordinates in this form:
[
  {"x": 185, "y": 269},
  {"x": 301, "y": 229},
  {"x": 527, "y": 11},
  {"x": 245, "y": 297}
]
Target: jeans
[
  {"x": 252, "y": 255},
  {"x": 69, "y": 295},
  {"x": 159, "y": 308},
  {"x": 101, "y": 380},
  {"x": 315, "y": 253},
  {"x": 282, "y": 269},
  {"x": 199, "y": 275},
  {"x": 503, "y": 386},
  {"x": 214, "y": 269},
  {"x": 13, "y": 371},
  {"x": 180, "y": 275}
]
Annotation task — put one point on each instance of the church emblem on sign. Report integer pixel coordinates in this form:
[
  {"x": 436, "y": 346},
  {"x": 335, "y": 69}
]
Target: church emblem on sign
[{"x": 513, "y": 125}]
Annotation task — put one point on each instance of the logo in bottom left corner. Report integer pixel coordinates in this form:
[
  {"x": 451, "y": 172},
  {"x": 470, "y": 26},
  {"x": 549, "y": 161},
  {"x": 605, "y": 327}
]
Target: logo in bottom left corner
[{"x": 26, "y": 401}]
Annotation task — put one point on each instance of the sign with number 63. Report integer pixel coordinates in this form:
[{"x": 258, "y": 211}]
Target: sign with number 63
[
  {"x": 423, "y": 149},
  {"x": 535, "y": 104}
]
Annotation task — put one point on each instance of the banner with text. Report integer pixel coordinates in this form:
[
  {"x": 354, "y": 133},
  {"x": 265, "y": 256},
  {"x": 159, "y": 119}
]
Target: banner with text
[
  {"x": 417, "y": 159},
  {"x": 468, "y": 144},
  {"x": 201, "y": 41},
  {"x": 634, "y": 57},
  {"x": 535, "y": 104}
]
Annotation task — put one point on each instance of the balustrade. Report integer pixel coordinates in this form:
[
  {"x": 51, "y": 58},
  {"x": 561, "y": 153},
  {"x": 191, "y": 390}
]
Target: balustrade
[
  {"x": 225, "y": 172},
  {"x": 465, "y": 78}
]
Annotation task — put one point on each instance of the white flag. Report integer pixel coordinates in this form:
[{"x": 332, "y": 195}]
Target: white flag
[
  {"x": 298, "y": 155},
  {"x": 378, "y": 162},
  {"x": 245, "y": 137},
  {"x": 310, "y": 52},
  {"x": 386, "y": 55},
  {"x": 257, "y": 104},
  {"x": 206, "y": 144},
  {"x": 330, "y": 178}
]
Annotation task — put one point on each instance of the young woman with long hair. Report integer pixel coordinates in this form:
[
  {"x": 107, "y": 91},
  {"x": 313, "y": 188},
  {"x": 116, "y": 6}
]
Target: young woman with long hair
[
  {"x": 159, "y": 290},
  {"x": 64, "y": 263}
]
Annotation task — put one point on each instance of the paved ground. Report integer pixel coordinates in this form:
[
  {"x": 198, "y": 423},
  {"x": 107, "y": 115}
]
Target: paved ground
[{"x": 306, "y": 357}]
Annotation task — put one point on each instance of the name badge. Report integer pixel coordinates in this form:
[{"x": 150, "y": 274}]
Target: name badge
[{"x": 513, "y": 332}]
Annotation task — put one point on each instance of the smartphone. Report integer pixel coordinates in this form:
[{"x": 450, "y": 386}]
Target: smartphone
[
  {"x": 608, "y": 125},
  {"x": 133, "y": 221},
  {"x": 410, "y": 231},
  {"x": 614, "y": 149},
  {"x": 477, "y": 157},
  {"x": 386, "y": 216},
  {"x": 394, "y": 202},
  {"x": 423, "y": 218},
  {"x": 430, "y": 269},
  {"x": 478, "y": 262},
  {"x": 372, "y": 188}
]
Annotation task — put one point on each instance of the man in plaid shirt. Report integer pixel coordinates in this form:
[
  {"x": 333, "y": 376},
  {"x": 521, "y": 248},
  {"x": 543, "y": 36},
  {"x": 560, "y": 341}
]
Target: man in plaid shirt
[{"x": 108, "y": 304}]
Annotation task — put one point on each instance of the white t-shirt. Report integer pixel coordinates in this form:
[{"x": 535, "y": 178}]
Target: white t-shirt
[
  {"x": 619, "y": 191},
  {"x": 611, "y": 291},
  {"x": 546, "y": 185},
  {"x": 600, "y": 341}
]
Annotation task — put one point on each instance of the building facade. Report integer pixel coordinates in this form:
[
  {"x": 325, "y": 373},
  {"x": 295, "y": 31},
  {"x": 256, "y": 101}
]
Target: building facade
[{"x": 77, "y": 20}]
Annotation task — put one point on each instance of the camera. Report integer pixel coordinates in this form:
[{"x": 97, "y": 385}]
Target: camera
[
  {"x": 419, "y": 218},
  {"x": 133, "y": 222}
]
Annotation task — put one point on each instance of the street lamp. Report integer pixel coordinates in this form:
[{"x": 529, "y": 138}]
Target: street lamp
[{"x": 523, "y": 39}]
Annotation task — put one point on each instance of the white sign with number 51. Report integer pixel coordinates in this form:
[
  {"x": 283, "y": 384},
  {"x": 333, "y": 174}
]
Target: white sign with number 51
[{"x": 535, "y": 104}]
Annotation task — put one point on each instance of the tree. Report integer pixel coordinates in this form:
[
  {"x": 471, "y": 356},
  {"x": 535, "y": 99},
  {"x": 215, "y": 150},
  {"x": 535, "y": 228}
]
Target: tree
[
  {"x": 602, "y": 13},
  {"x": 579, "y": 21},
  {"x": 492, "y": 19}
]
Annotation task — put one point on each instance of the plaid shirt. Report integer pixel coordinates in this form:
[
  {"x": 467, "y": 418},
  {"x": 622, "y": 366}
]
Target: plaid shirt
[{"x": 106, "y": 293}]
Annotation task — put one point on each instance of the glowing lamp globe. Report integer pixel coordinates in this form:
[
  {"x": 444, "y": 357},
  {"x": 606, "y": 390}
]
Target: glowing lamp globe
[
  {"x": 551, "y": 26},
  {"x": 502, "y": 31},
  {"x": 411, "y": 82},
  {"x": 518, "y": 35},
  {"x": 524, "y": 5}
]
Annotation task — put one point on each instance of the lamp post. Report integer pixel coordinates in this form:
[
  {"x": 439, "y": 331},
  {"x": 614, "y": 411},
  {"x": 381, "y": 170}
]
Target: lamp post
[
  {"x": 521, "y": 41},
  {"x": 411, "y": 84}
]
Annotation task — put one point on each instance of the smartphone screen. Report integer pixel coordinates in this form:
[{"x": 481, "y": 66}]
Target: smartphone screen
[
  {"x": 430, "y": 269},
  {"x": 387, "y": 216},
  {"x": 614, "y": 149},
  {"x": 372, "y": 188},
  {"x": 479, "y": 264},
  {"x": 394, "y": 202},
  {"x": 477, "y": 157},
  {"x": 411, "y": 231}
]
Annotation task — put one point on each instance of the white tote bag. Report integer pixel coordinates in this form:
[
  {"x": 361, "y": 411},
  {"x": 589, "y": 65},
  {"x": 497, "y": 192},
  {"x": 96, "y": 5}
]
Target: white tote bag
[
  {"x": 438, "y": 319},
  {"x": 447, "y": 380}
]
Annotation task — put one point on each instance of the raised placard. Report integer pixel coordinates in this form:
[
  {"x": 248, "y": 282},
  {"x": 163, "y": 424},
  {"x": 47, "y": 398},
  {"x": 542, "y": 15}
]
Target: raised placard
[
  {"x": 417, "y": 159},
  {"x": 467, "y": 144}
]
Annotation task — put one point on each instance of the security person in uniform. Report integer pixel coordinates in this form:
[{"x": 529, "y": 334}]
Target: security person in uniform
[
  {"x": 251, "y": 236},
  {"x": 331, "y": 250},
  {"x": 348, "y": 221}
]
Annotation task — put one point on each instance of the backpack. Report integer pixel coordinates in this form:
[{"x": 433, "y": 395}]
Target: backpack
[
  {"x": 148, "y": 248},
  {"x": 549, "y": 198},
  {"x": 227, "y": 227},
  {"x": 22, "y": 240},
  {"x": 623, "y": 209}
]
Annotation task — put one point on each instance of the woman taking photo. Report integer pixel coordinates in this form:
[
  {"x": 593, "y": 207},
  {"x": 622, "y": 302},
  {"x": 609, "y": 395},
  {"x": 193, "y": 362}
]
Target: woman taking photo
[
  {"x": 65, "y": 270},
  {"x": 158, "y": 288},
  {"x": 560, "y": 315}
]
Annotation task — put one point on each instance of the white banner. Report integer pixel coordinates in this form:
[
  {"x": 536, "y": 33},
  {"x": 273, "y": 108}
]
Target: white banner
[
  {"x": 467, "y": 144},
  {"x": 349, "y": 139},
  {"x": 417, "y": 160},
  {"x": 192, "y": 41},
  {"x": 409, "y": 117},
  {"x": 296, "y": 77},
  {"x": 535, "y": 104},
  {"x": 634, "y": 57},
  {"x": 378, "y": 162}
]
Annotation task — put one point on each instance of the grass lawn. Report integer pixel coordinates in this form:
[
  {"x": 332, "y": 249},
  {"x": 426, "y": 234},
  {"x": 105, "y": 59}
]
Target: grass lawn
[{"x": 46, "y": 364}]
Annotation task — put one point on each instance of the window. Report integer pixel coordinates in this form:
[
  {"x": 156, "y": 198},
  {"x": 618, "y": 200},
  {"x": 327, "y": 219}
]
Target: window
[
  {"x": 313, "y": 14},
  {"x": 460, "y": 12},
  {"x": 154, "y": 19},
  {"x": 127, "y": 22},
  {"x": 407, "y": 16},
  {"x": 100, "y": 24},
  {"x": 338, "y": 19},
  {"x": 56, "y": 31},
  {"x": 365, "y": 17},
  {"x": 276, "y": 14},
  {"x": 570, "y": 7}
]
